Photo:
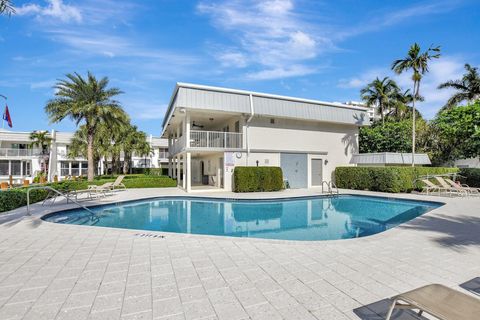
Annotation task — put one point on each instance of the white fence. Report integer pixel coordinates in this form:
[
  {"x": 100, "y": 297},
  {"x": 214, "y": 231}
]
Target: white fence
[{"x": 9, "y": 152}]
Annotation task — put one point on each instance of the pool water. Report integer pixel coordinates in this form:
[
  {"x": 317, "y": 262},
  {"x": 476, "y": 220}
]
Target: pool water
[{"x": 308, "y": 218}]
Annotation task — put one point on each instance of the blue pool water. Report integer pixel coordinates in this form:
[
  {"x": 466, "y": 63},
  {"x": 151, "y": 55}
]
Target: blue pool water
[{"x": 309, "y": 218}]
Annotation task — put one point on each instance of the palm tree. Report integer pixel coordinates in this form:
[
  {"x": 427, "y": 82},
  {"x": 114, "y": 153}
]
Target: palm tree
[
  {"x": 468, "y": 88},
  {"x": 88, "y": 101},
  {"x": 418, "y": 63},
  {"x": 6, "y": 7},
  {"x": 402, "y": 108},
  {"x": 379, "y": 93},
  {"x": 133, "y": 142},
  {"x": 42, "y": 140}
]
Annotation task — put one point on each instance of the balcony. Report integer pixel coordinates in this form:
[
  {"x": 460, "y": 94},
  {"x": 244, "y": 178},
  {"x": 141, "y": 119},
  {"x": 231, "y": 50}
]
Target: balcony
[
  {"x": 207, "y": 140},
  {"x": 215, "y": 139},
  {"x": 16, "y": 153}
]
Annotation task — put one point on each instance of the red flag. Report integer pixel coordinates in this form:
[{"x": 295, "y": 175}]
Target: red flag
[{"x": 6, "y": 117}]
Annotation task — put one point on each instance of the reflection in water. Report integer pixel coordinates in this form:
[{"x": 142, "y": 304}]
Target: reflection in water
[{"x": 318, "y": 218}]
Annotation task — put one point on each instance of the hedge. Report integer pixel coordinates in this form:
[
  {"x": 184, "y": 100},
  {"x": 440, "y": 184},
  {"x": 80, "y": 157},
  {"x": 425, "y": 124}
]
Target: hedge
[
  {"x": 256, "y": 179},
  {"x": 151, "y": 171},
  {"x": 15, "y": 198},
  {"x": 385, "y": 179},
  {"x": 470, "y": 176}
]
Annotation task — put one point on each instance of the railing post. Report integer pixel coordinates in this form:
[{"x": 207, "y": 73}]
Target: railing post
[
  {"x": 225, "y": 139},
  {"x": 208, "y": 144}
]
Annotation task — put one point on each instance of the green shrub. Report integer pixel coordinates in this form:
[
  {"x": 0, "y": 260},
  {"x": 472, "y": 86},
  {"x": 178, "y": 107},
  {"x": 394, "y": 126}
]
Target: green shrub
[
  {"x": 255, "y": 179},
  {"x": 385, "y": 179},
  {"x": 151, "y": 171},
  {"x": 12, "y": 199},
  {"x": 470, "y": 176}
]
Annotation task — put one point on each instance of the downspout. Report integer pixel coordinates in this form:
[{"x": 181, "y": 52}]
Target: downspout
[{"x": 252, "y": 113}]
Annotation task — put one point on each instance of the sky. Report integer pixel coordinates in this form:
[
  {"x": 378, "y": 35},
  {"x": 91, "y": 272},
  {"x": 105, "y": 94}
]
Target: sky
[{"x": 325, "y": 50}]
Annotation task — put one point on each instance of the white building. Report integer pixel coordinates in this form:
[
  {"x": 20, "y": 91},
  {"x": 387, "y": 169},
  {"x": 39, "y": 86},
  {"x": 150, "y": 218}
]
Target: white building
[
  {"x": 211, "y": 130},
  {"x": 21, "y": 161}
]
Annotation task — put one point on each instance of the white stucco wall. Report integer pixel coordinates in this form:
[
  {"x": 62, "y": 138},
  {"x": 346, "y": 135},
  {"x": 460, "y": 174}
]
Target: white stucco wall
[{"x": 339, "y": 142}]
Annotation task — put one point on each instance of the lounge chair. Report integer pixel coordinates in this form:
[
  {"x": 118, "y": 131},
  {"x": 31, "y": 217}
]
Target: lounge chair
[
  {"x": 118, "y": 183},
  {"x": 449, "y": 188},
  {"x": 100, "y": 190},
  {"x": 470, "y": 190},
  {"x": 439, "y": 301},
  {"x": 431, "y": 187}
]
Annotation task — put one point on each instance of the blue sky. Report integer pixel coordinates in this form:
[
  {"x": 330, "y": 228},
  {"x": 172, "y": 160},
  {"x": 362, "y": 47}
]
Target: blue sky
[{"x": 323, "y": 50}]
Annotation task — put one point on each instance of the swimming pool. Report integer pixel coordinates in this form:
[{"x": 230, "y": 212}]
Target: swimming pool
[{"x": 306, "y": 218}]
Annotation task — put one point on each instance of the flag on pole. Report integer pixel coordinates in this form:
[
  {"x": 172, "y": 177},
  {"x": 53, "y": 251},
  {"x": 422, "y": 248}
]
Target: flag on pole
[{"x": 6, "y": 116}]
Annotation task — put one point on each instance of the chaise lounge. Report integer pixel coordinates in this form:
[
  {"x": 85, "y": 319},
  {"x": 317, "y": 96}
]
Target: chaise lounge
[{"x": 439, "y": 301}]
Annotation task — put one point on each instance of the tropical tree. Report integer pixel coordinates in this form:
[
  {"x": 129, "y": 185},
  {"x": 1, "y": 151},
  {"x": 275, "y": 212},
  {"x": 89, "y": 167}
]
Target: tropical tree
[
  {"x": 6, "y": 7},
  {"x": 132, "y": 142},
  {"x": 89, "y": 101},
  {"x": 380, "y": 94},
  {"x": 467, "y": 88},
  {"x": 401, "y": 108},
  {"x": 42, "y": 140},
  {"x": 417, "y": 62}
]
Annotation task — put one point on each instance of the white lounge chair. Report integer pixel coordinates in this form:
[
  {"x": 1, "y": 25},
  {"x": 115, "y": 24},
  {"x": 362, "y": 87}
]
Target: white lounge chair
[
  {"x": 449, "y": 188},
  {"x": 118, "y": 183},
  {"x": 431, "y": 187},
  {"x": 100, "y": 190},
  {"x": 464, "y": 187},
  {"x": 439, "y": 301}
]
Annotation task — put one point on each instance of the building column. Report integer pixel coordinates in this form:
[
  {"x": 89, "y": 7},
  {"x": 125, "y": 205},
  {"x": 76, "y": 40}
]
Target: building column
[
  {"x": 188, "y": 169},
  {"x": 187, "y": 130},
  {"x": 174, "y": 167},
  {"x": 184, "y": 175}
]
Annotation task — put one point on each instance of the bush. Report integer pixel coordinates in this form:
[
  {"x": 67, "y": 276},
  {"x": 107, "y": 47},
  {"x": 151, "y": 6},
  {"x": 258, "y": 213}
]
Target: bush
[
  {"x": 255, "y": 179},
  {"x": 151, "y": 171},
  {"x": 385, "y": 179},
  {"x": 470, "y": 176},
  {"x": 12, "y": 199}
]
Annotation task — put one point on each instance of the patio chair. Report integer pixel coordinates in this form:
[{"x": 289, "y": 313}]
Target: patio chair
[
  {"x": 100, "y": 190},
  {"x": 449, "y": 188},
  {"x": 439, "y": 301},
  {"x": 431, "y": 187},
  {"x": 470, "y": 190},
  {"x": 118, "y": 183}
]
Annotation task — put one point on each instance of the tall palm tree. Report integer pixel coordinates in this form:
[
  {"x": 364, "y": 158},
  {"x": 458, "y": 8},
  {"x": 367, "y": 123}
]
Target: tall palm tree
[
  {"x": 42, "y": 140},
  {"x": 6, "y": 7},
  {"x": 379, "y": 93},
  {"x": 468, "y": 88},
  {"x": 133, "y": 142},
  {"x": 417, "y": 62},
  {"x": 87, "y": 101}
]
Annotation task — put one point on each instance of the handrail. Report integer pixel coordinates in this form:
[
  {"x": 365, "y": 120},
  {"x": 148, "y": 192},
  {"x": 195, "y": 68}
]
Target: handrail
[
  {"x": 56, "y": 191},
  {"x": 333, "y": 185},
  {"x": 328, "y": 186}
]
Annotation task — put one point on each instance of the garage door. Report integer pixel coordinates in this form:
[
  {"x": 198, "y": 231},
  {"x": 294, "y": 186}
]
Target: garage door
[{"x": 294, "y": 167}]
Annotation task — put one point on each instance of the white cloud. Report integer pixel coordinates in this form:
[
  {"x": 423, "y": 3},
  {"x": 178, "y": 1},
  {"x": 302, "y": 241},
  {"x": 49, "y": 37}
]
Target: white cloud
[
  {"x": 440, "y": 70},
  {"x": 53, "y": 9},
  {"x": 270, "y": 33}
]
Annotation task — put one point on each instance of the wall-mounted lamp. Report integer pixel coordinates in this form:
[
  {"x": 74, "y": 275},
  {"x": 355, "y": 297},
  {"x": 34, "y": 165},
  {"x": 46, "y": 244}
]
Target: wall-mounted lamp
[{"x": 325, "y": 162}]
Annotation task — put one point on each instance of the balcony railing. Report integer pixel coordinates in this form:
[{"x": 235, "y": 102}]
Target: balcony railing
[
  {"x": 9, "y": 152},
  {"x": 215, "y": 139}
]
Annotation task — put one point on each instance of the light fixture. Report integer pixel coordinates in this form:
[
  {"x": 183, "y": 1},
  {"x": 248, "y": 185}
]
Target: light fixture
[{"x": 326, "y": 162}]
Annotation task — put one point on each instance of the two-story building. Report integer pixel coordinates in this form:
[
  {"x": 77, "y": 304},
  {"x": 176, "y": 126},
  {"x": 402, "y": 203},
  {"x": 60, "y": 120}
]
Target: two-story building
[
  {"x": 20, "y": 161},
  {"x": 211, "y": 130}
]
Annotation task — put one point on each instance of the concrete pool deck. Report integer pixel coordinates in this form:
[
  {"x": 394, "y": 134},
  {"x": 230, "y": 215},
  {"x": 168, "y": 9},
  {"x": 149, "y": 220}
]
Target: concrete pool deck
[{"x": 55, "y": 271}]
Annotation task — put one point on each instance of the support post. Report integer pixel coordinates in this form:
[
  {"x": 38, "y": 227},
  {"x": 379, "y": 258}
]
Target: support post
[{"x": 188, "y": 169}]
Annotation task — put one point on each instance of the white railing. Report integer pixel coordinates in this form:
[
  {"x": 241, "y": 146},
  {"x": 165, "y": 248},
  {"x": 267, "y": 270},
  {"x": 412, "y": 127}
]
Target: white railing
[
  {"x": 178, "y": 145},
  {"x": 215, "y": 139},
  {"x": 9, "y": 152}
]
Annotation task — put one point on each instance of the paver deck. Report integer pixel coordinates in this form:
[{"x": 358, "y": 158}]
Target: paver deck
[{"x": 55, "y": 271}]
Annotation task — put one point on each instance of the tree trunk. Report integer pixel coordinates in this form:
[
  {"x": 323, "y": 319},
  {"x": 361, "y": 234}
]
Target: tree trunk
[
  {"x": 126, "y": 161},
  {"x": 91, "y": 164},
  {"x": 416, "y": 86}
]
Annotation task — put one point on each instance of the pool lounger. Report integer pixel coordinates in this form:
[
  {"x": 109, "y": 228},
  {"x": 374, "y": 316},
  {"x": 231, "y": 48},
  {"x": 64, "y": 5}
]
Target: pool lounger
[{"x": 439, "y": 301}]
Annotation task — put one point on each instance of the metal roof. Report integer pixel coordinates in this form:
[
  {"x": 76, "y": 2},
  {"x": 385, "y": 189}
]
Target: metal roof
[
  {"x": 389, "y": 158},
  {"x": 186, "y": 95}
]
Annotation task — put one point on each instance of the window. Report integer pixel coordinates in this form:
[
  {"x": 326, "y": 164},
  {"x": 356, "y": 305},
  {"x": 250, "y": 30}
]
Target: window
[
  {"x": 75, "y": 169},
  {"x": 27, "y": 168},
  {"x": 64, "y": 169},
  {"x": 4, "y": 168},
  {"x": 15, "y": 168}
]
